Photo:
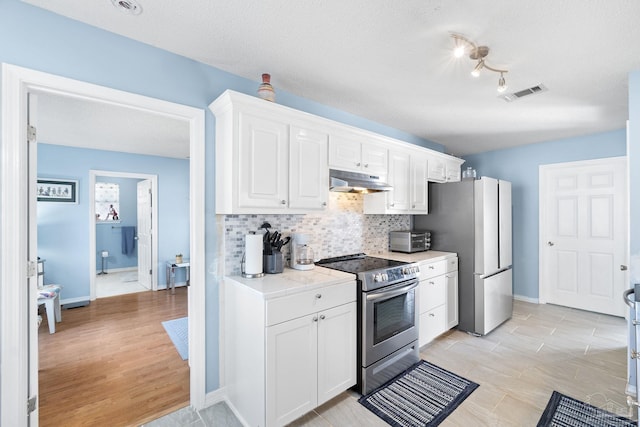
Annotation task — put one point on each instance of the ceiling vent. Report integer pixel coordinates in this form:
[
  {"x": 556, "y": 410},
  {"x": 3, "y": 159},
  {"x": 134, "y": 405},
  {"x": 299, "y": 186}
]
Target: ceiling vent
[
  {"x": 510, "y": 97},
  {"x": 127, "y": 6}
]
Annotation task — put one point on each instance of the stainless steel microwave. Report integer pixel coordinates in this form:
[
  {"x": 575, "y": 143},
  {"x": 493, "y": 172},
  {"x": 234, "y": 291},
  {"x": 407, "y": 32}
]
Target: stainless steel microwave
[{"x": 409, "y": 241}]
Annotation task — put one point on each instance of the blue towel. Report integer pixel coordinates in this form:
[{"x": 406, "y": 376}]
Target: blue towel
[{"x": 128, "y": 240}]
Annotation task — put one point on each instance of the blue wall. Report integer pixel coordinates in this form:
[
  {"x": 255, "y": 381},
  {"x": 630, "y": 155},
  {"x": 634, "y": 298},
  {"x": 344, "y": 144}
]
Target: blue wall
[
  {"x": 63, "y": 229},
  {"x": 520, "y": 166},
  {"x": 109, "y": 235},
  {"x": 34, "y": 38}
]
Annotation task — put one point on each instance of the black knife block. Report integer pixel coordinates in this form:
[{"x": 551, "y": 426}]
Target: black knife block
[{"x": 273, "y": 263}]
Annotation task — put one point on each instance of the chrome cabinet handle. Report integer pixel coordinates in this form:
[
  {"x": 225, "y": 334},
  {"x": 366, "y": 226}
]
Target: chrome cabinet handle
[
  {"x": 366, "y": 165},
  {"x": 283, "y": 202},
  {"x": 358, "y": 164},
  {"x": 432, "y": 315},
  {"x": 431, "y": 283},
  {"x": 550, "y": 243},
  {"x": 324, "y": 203},
  {"x": 315, "y": 318},
  {"x": 318, "y": 296},
  {"x": 623, "y": 267},
  {"x": 322, "y": 317}
]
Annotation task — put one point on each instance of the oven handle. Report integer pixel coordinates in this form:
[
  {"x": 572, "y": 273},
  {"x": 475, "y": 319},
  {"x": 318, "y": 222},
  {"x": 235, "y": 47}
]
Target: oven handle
[{"x": 392, "y": 292}]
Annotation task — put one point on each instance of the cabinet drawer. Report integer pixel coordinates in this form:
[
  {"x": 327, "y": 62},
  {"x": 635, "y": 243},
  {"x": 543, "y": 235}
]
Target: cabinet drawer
[
  {"x": 452, "y": 264},
  {"x": 432, "y": 324},
  {"x": 433, "y": 269},
  {"x": 297, "y": 305},
  {"x": 433, "y": 292}
]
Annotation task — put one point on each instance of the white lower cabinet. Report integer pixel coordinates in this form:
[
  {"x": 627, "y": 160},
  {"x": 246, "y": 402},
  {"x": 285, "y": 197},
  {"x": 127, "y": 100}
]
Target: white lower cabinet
[
  {"x": 285, "y": 356},
  {"x": 309, "y": 361},
  {"x": 438, "y": 298}
]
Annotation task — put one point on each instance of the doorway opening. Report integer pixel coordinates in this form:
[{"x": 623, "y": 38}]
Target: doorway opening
[
  {"x": 125, "y": 249},
  {"x": 19, "y": 369}
]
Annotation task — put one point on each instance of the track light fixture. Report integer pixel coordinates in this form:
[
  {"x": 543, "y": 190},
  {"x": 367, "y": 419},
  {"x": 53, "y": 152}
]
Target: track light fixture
[{"x": 477, "y": 53}]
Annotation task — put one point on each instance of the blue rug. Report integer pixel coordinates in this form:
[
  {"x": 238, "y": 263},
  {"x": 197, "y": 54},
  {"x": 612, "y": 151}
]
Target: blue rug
[
  {"x": 178, "y": 331},
  {"x": 423, "y": 395}
]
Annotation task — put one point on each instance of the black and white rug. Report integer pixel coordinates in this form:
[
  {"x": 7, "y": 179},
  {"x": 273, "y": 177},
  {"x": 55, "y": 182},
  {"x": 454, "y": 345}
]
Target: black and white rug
[
  {"x": 423, "y": 395},
  {"x": 565, "y": 411}
]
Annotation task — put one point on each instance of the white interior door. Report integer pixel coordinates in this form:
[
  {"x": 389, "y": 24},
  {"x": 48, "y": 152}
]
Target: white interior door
[
  {"x": 583, "y": 234},
  {"x": 144, "y": 230}
]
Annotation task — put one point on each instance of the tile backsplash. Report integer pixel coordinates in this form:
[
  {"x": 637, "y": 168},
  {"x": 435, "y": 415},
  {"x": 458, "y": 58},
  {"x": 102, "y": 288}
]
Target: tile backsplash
[{"x": 340, "y": 230}]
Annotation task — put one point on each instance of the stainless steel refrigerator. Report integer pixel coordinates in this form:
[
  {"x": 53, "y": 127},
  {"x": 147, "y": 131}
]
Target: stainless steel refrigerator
[{"x": 473, "y": 218}]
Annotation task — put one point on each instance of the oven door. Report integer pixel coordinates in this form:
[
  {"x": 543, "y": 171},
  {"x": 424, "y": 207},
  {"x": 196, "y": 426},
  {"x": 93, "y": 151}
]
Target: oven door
[{"x": 389, "y": 320}]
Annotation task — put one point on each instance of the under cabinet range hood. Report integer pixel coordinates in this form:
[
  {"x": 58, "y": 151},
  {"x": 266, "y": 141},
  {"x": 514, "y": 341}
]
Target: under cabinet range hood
[{"x": 354, "y": 182}]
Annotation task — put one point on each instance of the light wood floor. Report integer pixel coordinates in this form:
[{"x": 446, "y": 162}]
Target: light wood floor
[
  {"x": 541, "y": 349},
  {"x": 112, "y": 363}
]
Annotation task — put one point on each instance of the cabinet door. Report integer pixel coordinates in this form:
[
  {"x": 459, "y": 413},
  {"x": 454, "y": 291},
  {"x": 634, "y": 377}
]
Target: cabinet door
[
  {"x": 263, "y": 157},
  {"x": 452, "y": 172},
  {"x": 291, "y": 369},
  {"x": 418, "y": 185},
  {"x": 345, "y": 153},
  {"x": 437, "y": 169},
  {"x": 398, "y": 198},
  {"x": 432, "y": 324},
  {"x": 336, "y": 351},
  {"x": 452, "y": 299},
  {"x": 308, "y": 169},
  {"x": 433, "y": 292},
  {"x": 374, "y": 159}
]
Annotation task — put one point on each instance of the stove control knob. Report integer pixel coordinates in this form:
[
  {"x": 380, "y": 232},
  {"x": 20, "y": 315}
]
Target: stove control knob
[
  {"x": 377, "y": 277},
  {"x": 385, "y": 276}
]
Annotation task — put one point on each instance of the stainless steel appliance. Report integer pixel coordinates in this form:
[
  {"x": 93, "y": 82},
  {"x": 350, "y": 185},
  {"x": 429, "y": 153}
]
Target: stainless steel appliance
[
  {"x": 473, "y": 218},
  {"x": 355, "y": 182},
  {"x": 632, "y": 299},
  {"x": 387, "y": 316},
  {"x": 409, "y": 241}
]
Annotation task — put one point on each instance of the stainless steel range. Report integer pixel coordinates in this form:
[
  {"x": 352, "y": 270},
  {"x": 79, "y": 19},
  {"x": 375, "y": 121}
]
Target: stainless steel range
[{"x": 388, "y": 316}]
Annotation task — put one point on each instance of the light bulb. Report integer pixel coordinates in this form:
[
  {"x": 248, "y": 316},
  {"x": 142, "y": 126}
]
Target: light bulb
[
  {"x": 476, "y": 70},
  {"x": 458, "y": 51},
  {"x": 502, "y": 84}
]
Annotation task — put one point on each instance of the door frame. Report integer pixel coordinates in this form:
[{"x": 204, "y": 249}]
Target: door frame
[
  {"x": 543, "y": 289},
  {"x": 92, "y": 224},
  {"x": 17, "y": 82}
]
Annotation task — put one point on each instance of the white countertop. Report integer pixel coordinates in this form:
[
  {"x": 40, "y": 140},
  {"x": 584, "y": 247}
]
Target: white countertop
[
  {"x": 430, "y": 256},
  {"x": 292, "y": 281}
]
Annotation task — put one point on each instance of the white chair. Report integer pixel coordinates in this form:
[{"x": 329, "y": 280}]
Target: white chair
[{"x": 49, "y": 295}]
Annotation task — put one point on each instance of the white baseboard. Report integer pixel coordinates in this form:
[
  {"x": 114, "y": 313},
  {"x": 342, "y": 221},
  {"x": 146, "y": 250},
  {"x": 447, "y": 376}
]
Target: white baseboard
[
  {"x": 214, "y": 397},
  {"x": 119, "y": 270},
  {"x": 526, "y": 299},
  {"x": 74, "y": 300},
  {"x": 178, "y": 284}
]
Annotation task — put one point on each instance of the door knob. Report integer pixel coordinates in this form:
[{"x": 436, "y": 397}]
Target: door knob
[
  {"x": 623, "y": 267},
  {"x": 550, "y": 243}
]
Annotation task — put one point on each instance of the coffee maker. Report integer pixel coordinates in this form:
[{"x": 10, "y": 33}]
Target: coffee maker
[{"x": 301, "y": 253}]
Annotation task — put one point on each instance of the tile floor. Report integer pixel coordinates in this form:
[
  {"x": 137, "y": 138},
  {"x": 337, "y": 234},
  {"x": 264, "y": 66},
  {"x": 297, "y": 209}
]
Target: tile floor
[
  {"x": 541, "y": 349},
  {"x": 118, "y": 283}
]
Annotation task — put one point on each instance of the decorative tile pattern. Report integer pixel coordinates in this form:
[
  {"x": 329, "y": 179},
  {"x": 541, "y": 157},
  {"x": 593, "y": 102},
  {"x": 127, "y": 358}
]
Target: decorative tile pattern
[{"x": 342, "y": 229}]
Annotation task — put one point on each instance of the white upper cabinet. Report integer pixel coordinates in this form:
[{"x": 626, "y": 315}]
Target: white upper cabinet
[
  {"x": 408, "y": 177},
  {"x": 399, "y": 179},
  {"x": 419, "y": 201},
  {"x": 308, "y": 171},
  {"x": 357, "y": 154},
  {"x": 273, "y": 159},
  {"x": 444, "y": 169},
  {"x": 264, "y": 156}
]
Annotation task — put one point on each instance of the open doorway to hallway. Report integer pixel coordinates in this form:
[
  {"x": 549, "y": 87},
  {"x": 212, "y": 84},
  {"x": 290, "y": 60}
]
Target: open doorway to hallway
[{"x": 124, "y": 240}]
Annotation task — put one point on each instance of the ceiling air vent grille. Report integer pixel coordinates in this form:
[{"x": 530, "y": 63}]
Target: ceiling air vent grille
[{"x": 510, "y": 97}]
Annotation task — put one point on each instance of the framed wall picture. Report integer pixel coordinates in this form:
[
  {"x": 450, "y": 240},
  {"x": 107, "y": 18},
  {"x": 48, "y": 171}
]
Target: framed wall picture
[{"x": 57, "y": 190}]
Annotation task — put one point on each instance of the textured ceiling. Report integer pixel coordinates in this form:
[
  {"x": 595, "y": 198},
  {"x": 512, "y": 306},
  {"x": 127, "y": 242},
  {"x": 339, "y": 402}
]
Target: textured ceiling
[{"x": 391, "y": 61}]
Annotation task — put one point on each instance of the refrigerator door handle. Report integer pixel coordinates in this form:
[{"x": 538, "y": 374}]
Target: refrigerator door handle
[{"x": 493, "y": 273}]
